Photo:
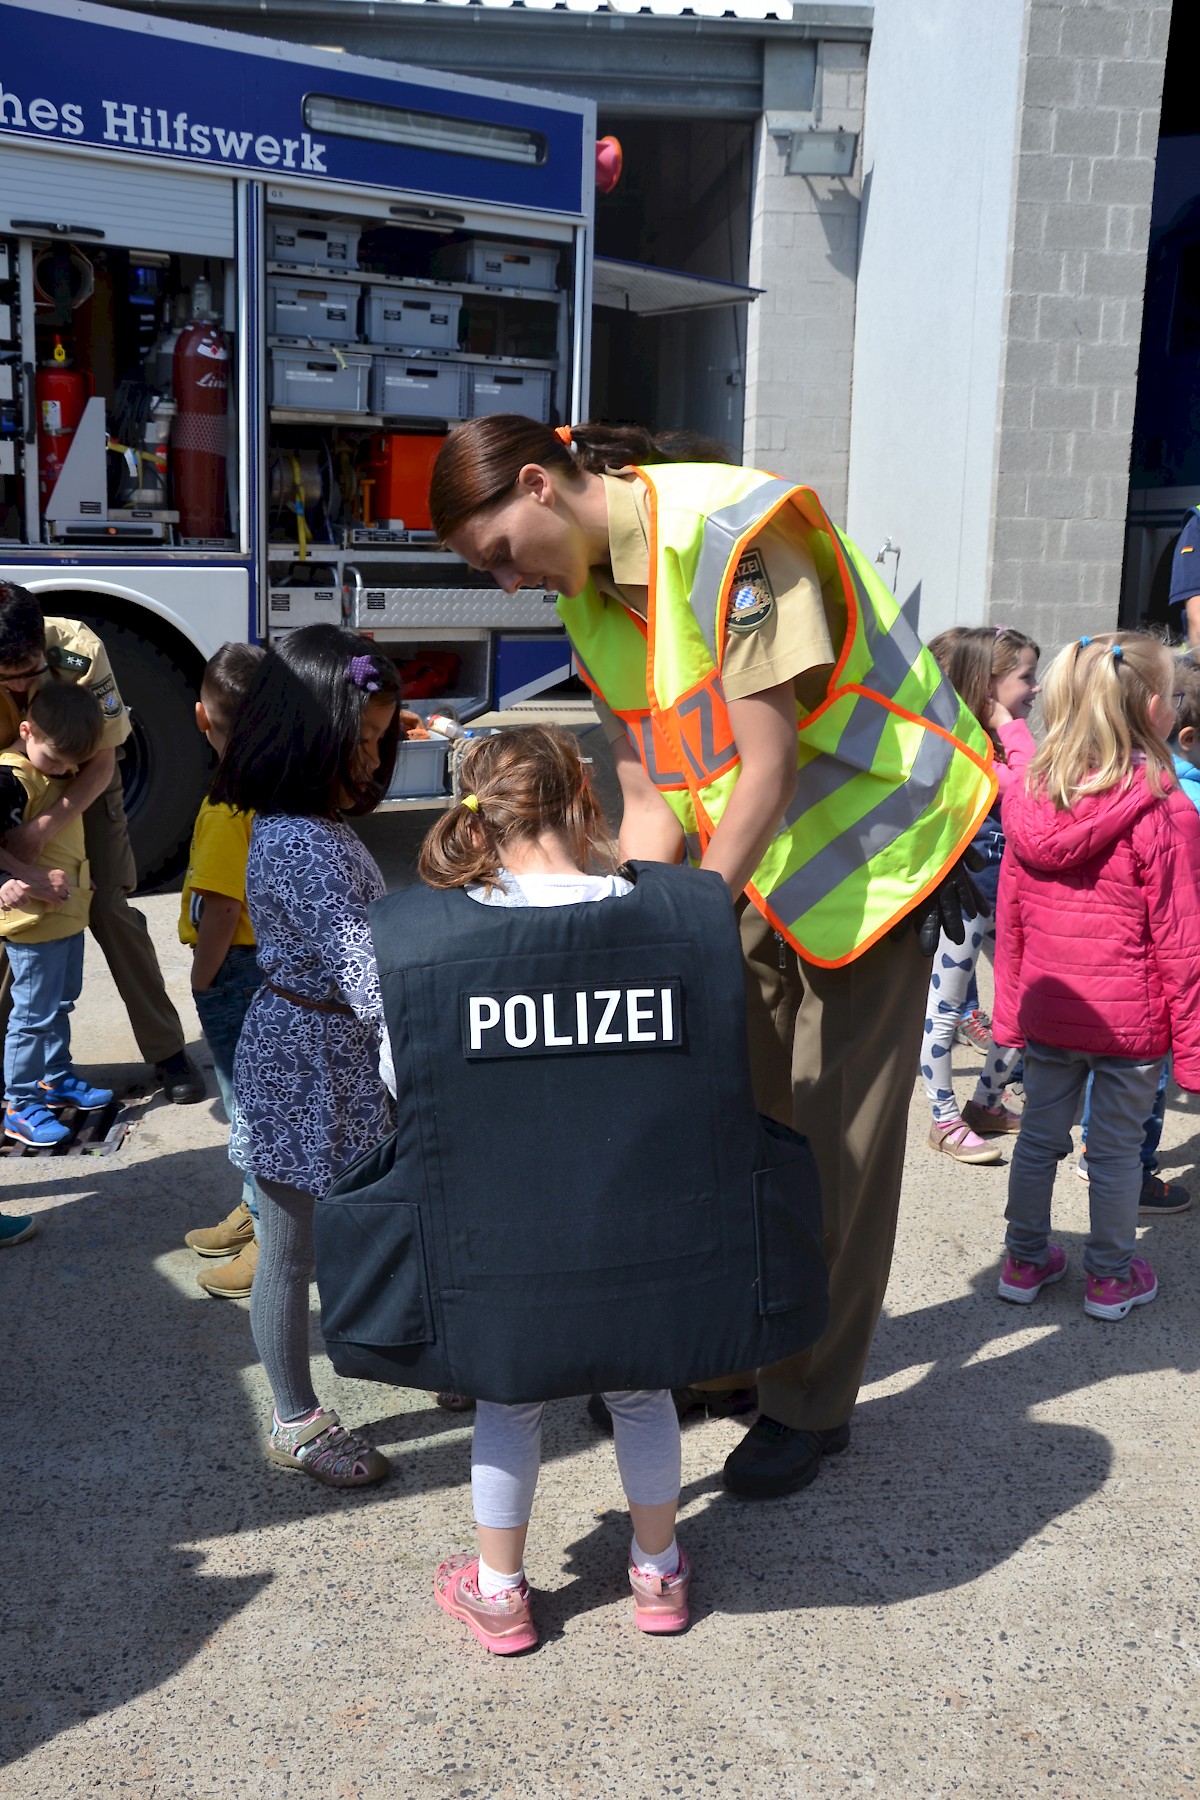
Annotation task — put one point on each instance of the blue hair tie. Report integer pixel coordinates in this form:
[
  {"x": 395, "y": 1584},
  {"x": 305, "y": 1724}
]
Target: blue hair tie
[
  {"x": 1117, "y": 651},
  {"x": 1084, "y": 642}
]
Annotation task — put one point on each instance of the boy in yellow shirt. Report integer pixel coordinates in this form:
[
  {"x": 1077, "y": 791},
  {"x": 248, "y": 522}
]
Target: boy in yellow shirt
[
  {"x": 225, "y": 975},
  {"x": 44, "y": 938}
]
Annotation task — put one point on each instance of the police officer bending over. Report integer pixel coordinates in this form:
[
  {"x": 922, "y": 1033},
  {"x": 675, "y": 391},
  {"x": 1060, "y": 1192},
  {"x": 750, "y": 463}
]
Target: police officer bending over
[{"x": 33, "y": 651}]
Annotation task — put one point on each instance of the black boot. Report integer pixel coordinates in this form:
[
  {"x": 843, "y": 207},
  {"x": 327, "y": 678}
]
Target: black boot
[
  {"x": 182, "y": 1082},
  {"x": 774, "y": 1459}
]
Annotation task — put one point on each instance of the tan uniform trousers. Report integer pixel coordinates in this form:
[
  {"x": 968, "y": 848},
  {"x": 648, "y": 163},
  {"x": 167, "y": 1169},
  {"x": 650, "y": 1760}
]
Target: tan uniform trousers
[
  {"x": 121, "y": 931},
  {"x": 833, "y": 1052}
]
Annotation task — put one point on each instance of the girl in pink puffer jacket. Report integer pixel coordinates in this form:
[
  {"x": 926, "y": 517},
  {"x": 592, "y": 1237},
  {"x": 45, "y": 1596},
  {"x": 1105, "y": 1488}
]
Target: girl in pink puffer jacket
[{"x": 1097, "y": 954}]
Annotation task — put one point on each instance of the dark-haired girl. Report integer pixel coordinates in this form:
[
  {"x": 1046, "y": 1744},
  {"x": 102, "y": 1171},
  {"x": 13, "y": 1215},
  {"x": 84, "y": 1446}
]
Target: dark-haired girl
[
  {"x": 995, "y": 671},
  {"x": 314, "y": 745},
  {"x": 771, "y": 711}
]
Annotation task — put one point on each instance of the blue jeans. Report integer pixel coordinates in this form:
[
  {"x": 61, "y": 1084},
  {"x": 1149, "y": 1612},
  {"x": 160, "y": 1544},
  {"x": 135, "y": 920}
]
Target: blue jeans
[
  {"x": 1154, "y": 1123},
  {"x": 46, "y": 981},
  {"x": 221, "y": 1010}
]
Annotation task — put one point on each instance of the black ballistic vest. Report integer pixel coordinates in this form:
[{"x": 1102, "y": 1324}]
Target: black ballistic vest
[{"x": 579, "y": 1195}]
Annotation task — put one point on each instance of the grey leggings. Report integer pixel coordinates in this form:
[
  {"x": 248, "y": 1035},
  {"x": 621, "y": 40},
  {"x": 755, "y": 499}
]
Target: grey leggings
[
  {"x": 507, "y": 1451},
  {"x": 279, "y": 1297}
]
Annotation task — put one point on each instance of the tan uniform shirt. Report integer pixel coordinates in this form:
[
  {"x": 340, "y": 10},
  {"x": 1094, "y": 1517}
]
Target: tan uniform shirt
[
  {"x": 789, "y": 629},
  {"x": 76, "y": 654}
]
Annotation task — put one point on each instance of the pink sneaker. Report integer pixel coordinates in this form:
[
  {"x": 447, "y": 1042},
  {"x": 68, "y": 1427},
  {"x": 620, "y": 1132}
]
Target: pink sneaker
[
  {"x": 503, "y": 1625},
  {"x": 1024, "y": 1281},
  {"x": 956, "y": 1139},
  {"x": 1108, "y": 1298},
  {"x": 660, "y": 1602}
]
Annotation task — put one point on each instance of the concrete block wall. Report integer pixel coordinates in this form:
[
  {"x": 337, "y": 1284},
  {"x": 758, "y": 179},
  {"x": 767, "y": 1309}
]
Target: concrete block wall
[
  {"x": 1083, "y": 178},
  {"x": 800, "y": 333}
]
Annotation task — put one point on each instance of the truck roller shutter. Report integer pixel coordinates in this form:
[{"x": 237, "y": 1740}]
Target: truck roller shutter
[{"x": 135, "y": 206}]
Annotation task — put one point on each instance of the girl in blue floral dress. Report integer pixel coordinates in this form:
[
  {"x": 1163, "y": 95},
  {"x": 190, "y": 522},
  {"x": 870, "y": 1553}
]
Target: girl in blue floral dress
[{"x": 314, "y": 745}]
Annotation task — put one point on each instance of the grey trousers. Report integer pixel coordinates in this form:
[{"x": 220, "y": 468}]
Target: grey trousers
[{"x": 1122, "y": 1096}]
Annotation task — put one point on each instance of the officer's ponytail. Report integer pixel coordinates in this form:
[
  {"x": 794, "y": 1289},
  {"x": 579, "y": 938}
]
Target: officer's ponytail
[
  {"x": 481, "y": 459},
  {"x": 515, "y": 786}
]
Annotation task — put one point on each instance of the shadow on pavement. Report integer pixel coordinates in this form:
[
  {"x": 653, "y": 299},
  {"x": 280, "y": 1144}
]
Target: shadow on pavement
[{"x": 131, "y": 1437}]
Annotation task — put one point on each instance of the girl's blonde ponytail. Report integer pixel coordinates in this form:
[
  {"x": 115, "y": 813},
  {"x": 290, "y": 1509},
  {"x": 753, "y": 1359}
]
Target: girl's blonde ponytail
[{"x": 1096, "y": 712}]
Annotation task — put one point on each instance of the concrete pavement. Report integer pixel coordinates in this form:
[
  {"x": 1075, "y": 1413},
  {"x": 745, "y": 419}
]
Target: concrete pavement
[{"x": 992, "y": 1593}]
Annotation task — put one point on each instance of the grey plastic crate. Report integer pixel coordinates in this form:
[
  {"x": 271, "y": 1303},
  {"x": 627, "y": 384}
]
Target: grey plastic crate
[
  {"x": 320, "y": 383},
  {"x": 498, "y": 264},
  {"x": 420, "y": 768},
  {"x": 418, "y": 318},
  {"x": 404, "y": 388},
  {"x": 326, "y": 243},
  {"x": 525, "y": 391},
  {"x": 300, "y": 309}
]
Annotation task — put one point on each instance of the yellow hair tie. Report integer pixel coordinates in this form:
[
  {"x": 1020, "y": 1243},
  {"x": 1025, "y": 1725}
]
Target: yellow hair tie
[{"x": 471, "y": 802}]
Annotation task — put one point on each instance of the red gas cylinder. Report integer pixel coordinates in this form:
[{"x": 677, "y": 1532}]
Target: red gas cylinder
[
  {"x": 61, "y": 394},
  {"x": 198, "y": 441}
]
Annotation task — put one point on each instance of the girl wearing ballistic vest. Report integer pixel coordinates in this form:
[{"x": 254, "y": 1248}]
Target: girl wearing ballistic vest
[
  {"x": 1098, "y": 954},
  {"x": 995, "y": 670},
  {"x": 773, "y": 716},
  {"x": 528, "y": 832},
  {"x": 313, "y": 745}
]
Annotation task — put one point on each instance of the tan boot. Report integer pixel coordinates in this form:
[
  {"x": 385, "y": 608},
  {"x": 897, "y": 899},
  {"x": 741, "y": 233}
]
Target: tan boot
[
  {"x": 230, "y": 1235},
  {"x": 232, "y": 1280}
]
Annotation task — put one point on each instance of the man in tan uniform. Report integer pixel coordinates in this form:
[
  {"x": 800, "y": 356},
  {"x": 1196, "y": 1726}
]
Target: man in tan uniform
[
  {"x": 832, "y": 1052},
  {"x": 35, "y": 650}
]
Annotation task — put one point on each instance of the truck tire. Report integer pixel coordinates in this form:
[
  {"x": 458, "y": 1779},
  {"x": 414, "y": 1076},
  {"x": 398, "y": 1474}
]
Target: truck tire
[{"x": 167, "y": 764}]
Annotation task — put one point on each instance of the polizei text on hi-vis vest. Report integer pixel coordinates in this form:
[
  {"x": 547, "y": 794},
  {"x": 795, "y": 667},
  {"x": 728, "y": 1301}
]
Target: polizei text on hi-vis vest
[{"x": 558, "y": 1021}]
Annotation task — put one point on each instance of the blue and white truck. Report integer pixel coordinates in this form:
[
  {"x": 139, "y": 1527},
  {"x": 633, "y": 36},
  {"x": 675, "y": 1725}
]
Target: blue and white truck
[{"x": 245, "y": 288}]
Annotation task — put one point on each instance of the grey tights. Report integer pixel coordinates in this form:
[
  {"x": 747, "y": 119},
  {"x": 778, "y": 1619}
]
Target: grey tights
[{"x": 279, "y": 1297}]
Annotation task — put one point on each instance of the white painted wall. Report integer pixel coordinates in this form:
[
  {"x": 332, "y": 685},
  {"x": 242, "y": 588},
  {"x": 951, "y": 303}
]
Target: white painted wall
[{"x": 941, "y": 109}]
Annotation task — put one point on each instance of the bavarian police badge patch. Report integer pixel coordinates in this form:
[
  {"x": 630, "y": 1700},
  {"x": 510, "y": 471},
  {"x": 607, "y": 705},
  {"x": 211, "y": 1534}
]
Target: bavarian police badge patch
[{"x": 751, "y": 598}]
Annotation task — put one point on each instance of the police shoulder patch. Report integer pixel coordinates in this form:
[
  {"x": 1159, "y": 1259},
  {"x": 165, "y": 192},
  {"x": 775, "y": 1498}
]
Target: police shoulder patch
[
  {"x": 751, "y": 596},
  {"x": 72, "y": 661}
]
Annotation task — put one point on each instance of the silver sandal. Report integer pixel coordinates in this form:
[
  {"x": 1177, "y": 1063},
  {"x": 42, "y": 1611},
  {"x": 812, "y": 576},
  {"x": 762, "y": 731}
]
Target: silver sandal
[{"x": 324, "y": 1449}]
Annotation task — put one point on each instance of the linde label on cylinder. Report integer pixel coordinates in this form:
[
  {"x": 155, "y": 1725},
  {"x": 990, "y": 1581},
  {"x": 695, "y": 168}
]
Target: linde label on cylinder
[{"x": 560, "y": 1021}]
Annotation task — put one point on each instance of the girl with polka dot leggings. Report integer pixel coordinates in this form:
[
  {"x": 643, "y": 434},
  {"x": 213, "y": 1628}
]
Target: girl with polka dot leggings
[{"x": 995, "y": 671}]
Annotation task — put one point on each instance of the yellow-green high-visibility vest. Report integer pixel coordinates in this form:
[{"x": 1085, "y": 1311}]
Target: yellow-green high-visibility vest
[{"x": 895, "y": 774}]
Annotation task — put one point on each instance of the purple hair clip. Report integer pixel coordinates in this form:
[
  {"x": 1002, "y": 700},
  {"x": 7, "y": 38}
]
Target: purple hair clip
[{"x": 362, "y": 672}]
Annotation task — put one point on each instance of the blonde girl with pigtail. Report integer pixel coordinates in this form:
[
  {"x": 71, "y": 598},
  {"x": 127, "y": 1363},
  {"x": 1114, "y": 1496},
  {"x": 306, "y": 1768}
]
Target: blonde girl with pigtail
[
  {"x": 528, "y": 832},
  {"x": 1098, "y": 954}
]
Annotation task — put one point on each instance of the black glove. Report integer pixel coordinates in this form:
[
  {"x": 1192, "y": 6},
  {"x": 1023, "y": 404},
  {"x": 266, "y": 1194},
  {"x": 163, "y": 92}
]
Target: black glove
[{"x": 955, "y": 899}]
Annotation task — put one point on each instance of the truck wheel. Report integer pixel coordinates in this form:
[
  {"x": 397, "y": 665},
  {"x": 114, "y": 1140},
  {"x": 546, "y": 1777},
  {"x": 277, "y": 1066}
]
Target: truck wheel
[{"x": 167, "y": 765}]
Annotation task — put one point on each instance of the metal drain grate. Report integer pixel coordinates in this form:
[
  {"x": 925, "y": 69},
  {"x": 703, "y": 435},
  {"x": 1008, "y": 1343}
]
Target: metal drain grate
[{"x": 92, "y": 1134}]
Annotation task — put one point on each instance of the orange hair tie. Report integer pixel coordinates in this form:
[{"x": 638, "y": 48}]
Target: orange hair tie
[{"x": 563, "y": 434}]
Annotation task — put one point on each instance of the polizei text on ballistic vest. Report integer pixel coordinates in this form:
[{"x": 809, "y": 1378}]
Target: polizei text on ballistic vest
[{"x": 561, "y": 1021}]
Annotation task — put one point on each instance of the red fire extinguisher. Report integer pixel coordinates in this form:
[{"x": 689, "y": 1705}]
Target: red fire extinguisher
[
  {"x": 61, "y": 394},
  {"x": 201, "y": 382}
]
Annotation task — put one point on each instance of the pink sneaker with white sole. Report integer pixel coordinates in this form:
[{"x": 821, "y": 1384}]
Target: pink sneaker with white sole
[
  {"x": 660, "y": 1602},
  {"x": 1109, "y": 1298},
  {"x": 503, "y": 1625},
  {"x": 1024, "y": 1281}
]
